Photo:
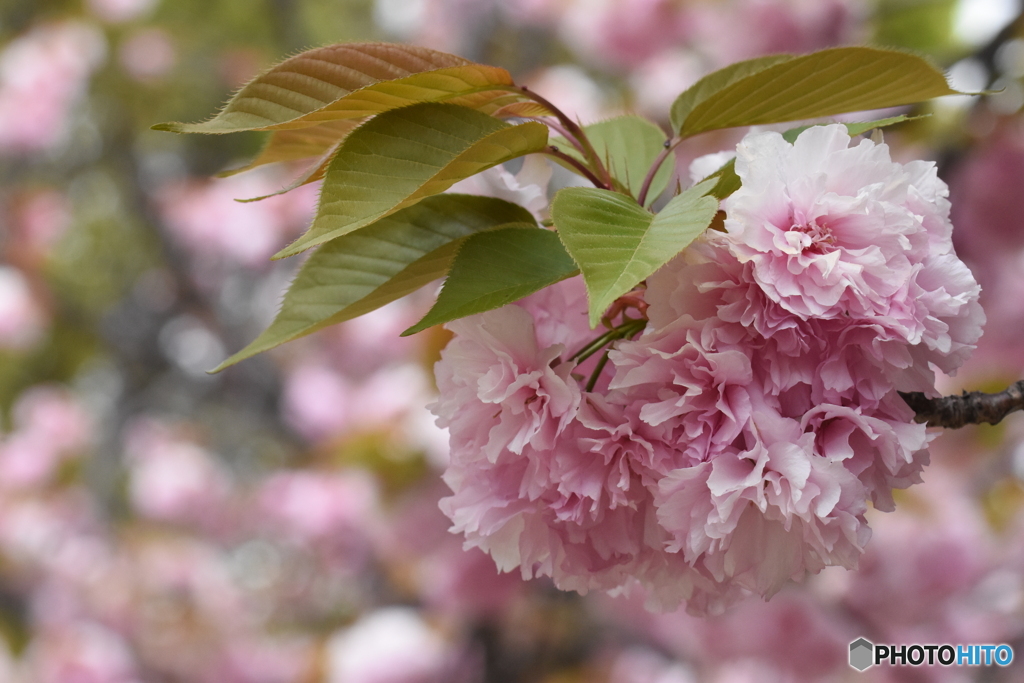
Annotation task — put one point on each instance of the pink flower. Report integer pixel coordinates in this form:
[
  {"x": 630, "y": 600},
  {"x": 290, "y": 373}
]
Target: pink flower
[
  {"x": 734, "y": 446},
  {"x": 500, "y": 389},
  {"x": 843, "y": 233}
]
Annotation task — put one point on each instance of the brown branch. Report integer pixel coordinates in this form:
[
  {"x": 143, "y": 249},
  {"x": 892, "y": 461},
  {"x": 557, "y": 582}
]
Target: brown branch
[
  {"x": 553, "y": 151},
  {"x": 953, "y": 412}
]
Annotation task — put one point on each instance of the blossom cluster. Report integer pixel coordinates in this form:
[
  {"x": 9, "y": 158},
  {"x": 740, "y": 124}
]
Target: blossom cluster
[{"x": 737, "y": 442}]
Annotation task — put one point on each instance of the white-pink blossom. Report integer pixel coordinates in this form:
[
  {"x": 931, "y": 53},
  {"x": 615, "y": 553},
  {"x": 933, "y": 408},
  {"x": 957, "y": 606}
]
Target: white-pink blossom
[
  {"x": 836, "y": 232},
  {"x": 735, "y": 445}
]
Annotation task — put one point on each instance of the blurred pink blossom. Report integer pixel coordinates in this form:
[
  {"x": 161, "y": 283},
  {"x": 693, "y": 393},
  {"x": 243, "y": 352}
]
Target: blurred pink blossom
[
  {"x": 310, "y": 507},
  {"x": 22, "y": 318},
  {"x": 43, "y": 73},
  {"x": 148, "y": 54},
  {"x": 761, "y": 27},
  {"x": 81, "y": 652},
  {"x": 204, "y": 217},
  {"x": 173, "y": 479},
  {"x": 641, "y": 665},
  {"x": 987, "y": 207},
  {"x": 578, "y": 95},
  {"x": 625, "y": 33},
  {"x": 528, "y": 187},
  {"x": 119, "y": 11},
  {"x": 466, "y": 582},
  {"x": 39, "y": 218},
  {"x": 267, "y": 659},
  {"x": 317, "y": 401},
  {"x": 391, "y": 645},
  {"x": 49, "y": 427},
  {"x": 919, "y": 580},
  {"x": 322, "y": 403}
]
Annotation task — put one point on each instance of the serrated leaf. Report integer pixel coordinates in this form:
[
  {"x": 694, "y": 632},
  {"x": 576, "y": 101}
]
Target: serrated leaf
[
  {"x": 299, "y": 144},
  {"x": 824, "y": 83},
  {"x": 352, "y": 81},
  {"x": 395, "y": 256},
  {"x": 399, "y": 157},
  {"x": 717, "y": 81},
  {"x": 617, "y": 243},
  {"x": 316, "y": 171},
  {"x": 627, "y": 145},
  {"x": 727, "y": 182},
  {"x": 525, "y": 108},
  {"x": 495, "y": 268}
]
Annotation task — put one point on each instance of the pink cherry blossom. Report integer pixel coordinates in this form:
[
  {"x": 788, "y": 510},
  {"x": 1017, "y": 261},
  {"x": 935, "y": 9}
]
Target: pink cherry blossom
[
  {"x": 501, "y": 389},
  {"x": 43, "y": 73},
  {"x": 843, "y": 233},
  {"x": 735, "y": 445}
]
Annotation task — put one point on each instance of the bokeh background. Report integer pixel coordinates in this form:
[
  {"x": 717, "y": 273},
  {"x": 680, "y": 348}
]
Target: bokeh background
[{"x": 278, "y": 522}]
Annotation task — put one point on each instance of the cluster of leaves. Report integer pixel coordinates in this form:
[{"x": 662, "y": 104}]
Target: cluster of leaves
[{"x": 389, "y": 128}]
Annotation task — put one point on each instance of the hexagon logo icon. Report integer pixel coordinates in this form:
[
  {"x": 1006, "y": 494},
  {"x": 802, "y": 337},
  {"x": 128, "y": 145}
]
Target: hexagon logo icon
[{"x": 862, "y": 652}]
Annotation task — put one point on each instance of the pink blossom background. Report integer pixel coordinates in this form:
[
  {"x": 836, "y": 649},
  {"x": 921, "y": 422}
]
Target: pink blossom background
[{"x": 279, "y": 522}]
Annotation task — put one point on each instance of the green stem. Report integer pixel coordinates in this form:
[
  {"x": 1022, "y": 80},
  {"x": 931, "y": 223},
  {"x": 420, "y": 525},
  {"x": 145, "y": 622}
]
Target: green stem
[
  {"x": 592, "y": 382},
  {"x": 623, "y": 331},
  {"x": 594, "y": 346}
]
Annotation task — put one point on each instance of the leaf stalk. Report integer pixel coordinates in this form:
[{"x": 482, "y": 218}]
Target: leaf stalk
[{"x": 670, "y": 145}]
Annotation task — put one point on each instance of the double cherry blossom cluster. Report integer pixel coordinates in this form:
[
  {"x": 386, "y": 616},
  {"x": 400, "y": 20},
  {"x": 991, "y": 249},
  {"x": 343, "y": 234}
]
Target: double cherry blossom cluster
[{"x": 736, "y": 443}]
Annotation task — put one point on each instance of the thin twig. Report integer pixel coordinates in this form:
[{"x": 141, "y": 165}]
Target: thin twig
[
  {"x": 953, "y": 412},
  {"x": 575, "y": 163},
  {"x": 576, "y": 131},
  {"x": 645, "y": 188}
]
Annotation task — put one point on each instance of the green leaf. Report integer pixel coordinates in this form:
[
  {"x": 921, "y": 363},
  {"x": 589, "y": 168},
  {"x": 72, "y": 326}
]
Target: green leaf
[
  {"x": 495, "y": 268},
  {"x": 715, "y": 82},
  {"x": 353, "y": 81},
  {"x": 316, "y": 171},
  {"x": 397, "y": 158},
  {"x": 299, "y": 144},
  {"x": 617, "y": 243},
  {"x": 395, "y": 256},
  {"x": 628, "y": 145},
  {"x": 728, "y": 182},
  {"x": 820, "y": 84}
]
